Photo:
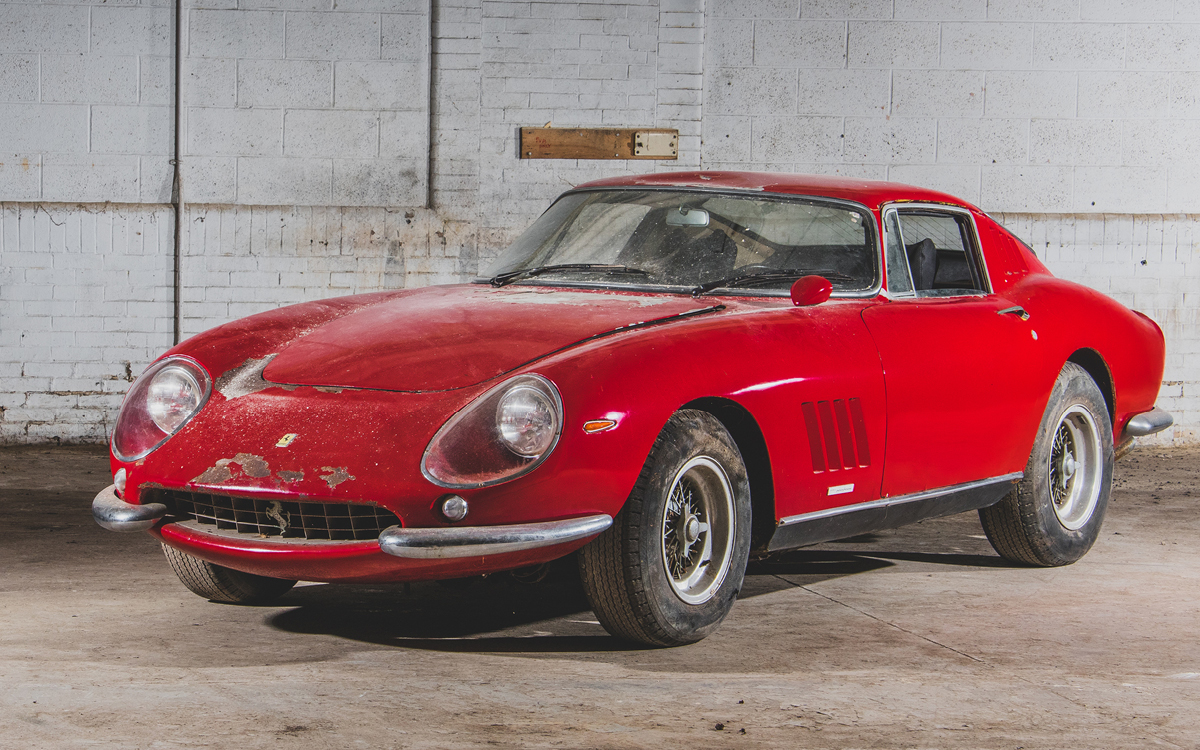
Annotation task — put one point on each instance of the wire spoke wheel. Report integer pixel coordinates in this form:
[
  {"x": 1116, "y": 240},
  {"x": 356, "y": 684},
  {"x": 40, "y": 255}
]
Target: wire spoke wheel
[
  {"x": 669, "y": 569},
  {"x": 1074, "y": 470},
  {"x": 1053, "y": 514},
  {"x": 697, "y": 530}
]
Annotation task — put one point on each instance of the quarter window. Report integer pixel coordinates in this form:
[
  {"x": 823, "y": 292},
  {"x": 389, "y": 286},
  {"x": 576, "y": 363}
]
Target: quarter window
[
  {"x": 899, "y": 280},
  {"x": 939, "y": 254}
]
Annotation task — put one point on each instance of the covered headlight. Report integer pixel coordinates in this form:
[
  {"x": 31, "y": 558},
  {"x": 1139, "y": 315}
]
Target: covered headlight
[
  {"x": 159, "y": 404},
  {"x": 501, "y": 435}
]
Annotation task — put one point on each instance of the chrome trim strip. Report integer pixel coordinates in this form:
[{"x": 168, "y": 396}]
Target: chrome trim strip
[
  {"x": 479, "y": 541},
  {"x": 899, "y": 499},
  {"x": 115, "y": 514},
  {"x": 883, "y": 231},
  {"x": 1148, "y": 423}
]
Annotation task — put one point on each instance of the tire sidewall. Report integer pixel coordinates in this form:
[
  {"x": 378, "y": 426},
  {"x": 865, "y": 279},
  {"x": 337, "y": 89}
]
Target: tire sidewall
[
  {"x": 689, "y": 434},
  {"x": 1060, "y": 544}
]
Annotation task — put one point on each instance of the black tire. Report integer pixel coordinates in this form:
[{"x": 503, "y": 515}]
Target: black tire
[
  {"x": 221, "y": 584},
  {"x": 646, "y": 576},
  {"x": 1054, "y": 515}
]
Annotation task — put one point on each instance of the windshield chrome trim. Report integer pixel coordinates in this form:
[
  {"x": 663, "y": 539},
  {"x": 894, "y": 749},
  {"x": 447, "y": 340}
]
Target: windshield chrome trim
[{"x": 870, "y": 293}]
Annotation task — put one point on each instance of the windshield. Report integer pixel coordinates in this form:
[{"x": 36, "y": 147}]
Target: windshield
[{"x": 692, "y": 239}]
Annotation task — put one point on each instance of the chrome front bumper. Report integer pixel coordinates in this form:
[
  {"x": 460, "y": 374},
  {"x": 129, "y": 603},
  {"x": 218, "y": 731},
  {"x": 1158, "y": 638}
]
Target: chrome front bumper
[
  {"x": 115, "y": 514},
  {"x": 479, "y": 541}
]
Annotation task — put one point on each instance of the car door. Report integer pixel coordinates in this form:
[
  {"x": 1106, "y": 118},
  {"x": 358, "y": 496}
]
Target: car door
[{"x": 960, "y": 363}]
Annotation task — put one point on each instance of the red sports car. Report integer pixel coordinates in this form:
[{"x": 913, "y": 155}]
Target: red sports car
[{"x": 664, "y": 375}]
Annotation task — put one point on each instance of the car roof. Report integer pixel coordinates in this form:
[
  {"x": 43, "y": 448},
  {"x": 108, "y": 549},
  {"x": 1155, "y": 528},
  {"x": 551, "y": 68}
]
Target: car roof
[{"x": 871, "y": 193}]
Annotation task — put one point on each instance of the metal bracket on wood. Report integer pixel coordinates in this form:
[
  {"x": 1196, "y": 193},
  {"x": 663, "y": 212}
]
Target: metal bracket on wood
[{"x": 599, "y": 143}]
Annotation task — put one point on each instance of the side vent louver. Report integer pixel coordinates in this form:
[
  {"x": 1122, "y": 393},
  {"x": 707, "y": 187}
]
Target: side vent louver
[{"x": 837, "y": 434}]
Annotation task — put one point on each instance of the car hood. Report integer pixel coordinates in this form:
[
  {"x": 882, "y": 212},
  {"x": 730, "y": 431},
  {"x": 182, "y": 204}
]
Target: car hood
[{"x": 440, "y": 338}]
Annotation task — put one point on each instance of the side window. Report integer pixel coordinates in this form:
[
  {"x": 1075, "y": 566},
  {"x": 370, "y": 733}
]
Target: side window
[
  {"x": 899, "y": 280},
  {"x": 941, "y": 252}
]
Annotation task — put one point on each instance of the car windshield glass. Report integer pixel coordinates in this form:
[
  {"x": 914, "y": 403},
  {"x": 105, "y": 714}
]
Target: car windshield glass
[{"x": 672, "y": 238}]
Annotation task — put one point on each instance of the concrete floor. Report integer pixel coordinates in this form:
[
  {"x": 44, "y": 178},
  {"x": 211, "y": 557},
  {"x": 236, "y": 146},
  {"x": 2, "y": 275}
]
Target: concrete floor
[{"x": 916, "y": 638}]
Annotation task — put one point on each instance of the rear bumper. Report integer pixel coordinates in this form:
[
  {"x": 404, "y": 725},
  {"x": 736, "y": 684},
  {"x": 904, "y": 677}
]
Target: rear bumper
[
  {"x": 1148, "y": 423},
  {"x": 115, "y": 514},
  {"x": 482, "y": 541},
  {"x": 1141, "y": 425}
]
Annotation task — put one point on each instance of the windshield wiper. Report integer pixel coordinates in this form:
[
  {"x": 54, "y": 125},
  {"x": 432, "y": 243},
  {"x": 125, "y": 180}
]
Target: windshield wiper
[
  {"x": 763, "y": 277},
  {"x": 508, "y": 277}
]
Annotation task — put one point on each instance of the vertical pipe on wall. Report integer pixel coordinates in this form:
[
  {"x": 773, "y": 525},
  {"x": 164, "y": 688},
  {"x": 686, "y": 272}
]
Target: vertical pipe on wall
[
  {"x": 430, "y": 22},
  {"x": 177, "y": 185}
]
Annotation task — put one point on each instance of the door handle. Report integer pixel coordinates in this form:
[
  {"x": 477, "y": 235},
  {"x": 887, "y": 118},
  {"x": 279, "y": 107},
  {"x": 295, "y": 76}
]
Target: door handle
[{"x": 1014, "y": 310}]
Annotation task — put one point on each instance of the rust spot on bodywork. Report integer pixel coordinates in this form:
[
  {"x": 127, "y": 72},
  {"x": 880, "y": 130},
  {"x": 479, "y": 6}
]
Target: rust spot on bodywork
[
  {"x": 247, "y": 378},
  {"x": 336, "y": 475},
  {"x": 291, "y": 476},
  {"x": 218, "y": 474},
  {"x": 253, "y": 465},
  {"x": 247, "y": 463}
]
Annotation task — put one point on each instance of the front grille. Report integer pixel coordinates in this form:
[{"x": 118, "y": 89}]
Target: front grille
[{"x": 288, "y": 519}]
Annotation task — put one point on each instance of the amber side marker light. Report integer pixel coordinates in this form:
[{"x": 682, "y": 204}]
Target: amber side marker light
[{"x": 598, "y": 425}]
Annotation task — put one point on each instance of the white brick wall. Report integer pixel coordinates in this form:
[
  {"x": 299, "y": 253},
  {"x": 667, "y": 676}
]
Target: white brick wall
[
  {"x": 1149, "y": 263},
  {"x": 85, "y": 303},
  {"x": 305, "y": 117},
  {"x": 83, "y": 95},
  {"x": 308, "y": 102},
  {"x": 246, "y": 259},
  {"x": 617, "y": 64},
  {"x": 1081, "y": 115},
  {"x": 86, "y": 96},
  {"x": 85, "y": 293},
  {"x": 1020, "y": 105}
]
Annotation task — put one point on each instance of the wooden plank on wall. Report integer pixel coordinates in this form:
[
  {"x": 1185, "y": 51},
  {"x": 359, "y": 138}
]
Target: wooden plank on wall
[{"x": 599, "y": 143}]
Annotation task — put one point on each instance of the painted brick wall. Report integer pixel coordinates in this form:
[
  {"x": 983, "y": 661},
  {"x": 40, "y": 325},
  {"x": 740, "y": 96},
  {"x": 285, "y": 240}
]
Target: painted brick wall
[
  {"x": 1148, "y": 263},
  {"x": 241, "y": 260},
  {"x": 308, "y": 102},
  {"x": 85, "y": 291},
  {"x": 85, "y": 95},
  {"x": 1017, "y": 105},
  {"x": 299, "y": 102},
  {"x": 617, "y": 64},
  {"x": 85, "y": 304},
  {"x": 1057, "y": 113},
  {"x": 1021, "y": 105}
]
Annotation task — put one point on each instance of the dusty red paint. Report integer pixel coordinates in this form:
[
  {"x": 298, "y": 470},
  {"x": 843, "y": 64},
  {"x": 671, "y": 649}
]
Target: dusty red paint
[
  {"x": 430, "y": 340},
  {"x": 944, "y": 391}
]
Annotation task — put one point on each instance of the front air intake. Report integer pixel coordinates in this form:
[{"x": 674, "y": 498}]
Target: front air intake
[{"x": 286, "y": 519}]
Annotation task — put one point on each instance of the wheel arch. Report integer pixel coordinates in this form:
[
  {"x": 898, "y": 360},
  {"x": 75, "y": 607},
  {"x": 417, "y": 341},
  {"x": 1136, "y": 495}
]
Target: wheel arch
[
  {"x": 748, "y": 436},
  {"x": 1097, "y": 368}
]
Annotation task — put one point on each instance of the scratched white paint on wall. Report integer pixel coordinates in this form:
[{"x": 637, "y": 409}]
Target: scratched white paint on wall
[{"x": 316, "y": 130}]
